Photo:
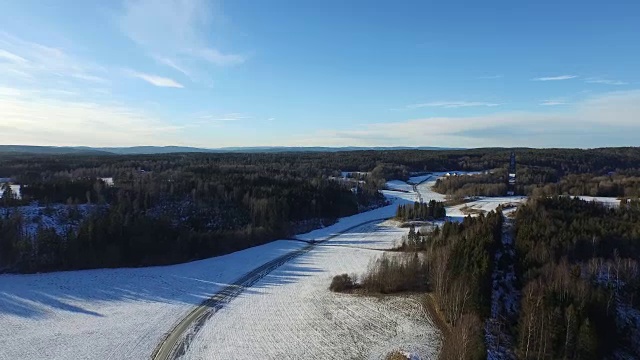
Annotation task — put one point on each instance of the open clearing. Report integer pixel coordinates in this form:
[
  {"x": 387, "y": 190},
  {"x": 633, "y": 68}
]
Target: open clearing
[{"x": 291, "y": 314}]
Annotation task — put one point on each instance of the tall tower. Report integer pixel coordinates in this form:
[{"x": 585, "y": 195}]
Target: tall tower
[{"x": 511, "y": 178}]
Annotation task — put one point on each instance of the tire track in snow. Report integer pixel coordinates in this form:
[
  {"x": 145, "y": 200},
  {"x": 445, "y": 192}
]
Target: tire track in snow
[{"x": 176, "y": 342}]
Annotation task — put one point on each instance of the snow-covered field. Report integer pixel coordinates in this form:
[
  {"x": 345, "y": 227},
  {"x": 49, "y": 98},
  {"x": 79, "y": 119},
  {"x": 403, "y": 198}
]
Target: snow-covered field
[
  {"x": 111, "y": 313},
  {"x": 609, "y": 201},
  {"x": 483, "y": 204},
  {"x": 291, "y": 314},
  {"x": 124, "y": 313}
]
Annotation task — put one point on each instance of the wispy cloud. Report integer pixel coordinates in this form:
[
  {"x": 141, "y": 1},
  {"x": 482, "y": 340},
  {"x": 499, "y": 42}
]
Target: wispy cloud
[
  {"x": 452, "y": 104},
  {"x": 38, "y": 62},
  {"x": 604, "y": 81},
  {"x": 11, "y": 57},
  {"x": 155, "y": 79},
  {"x": 172, "y": 64},
  {"x": 225, "y": 117},
  {"x": 555, "y": 102},
  {"x": 176, "y": 33},
  {"x": 555, "y": 78},
  {"x": 37, "y": 117}
]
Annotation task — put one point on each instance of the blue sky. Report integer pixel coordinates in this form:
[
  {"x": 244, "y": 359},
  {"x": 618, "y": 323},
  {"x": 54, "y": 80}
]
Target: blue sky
[{"x": 320, "y": 73}]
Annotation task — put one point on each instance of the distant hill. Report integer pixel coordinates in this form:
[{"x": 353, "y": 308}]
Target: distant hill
[
  {"x": 52, "y": 150},
  {"x": 134, "y": 150}
]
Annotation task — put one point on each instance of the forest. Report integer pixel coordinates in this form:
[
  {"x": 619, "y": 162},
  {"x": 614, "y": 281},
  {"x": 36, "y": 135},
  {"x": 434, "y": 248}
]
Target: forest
[
  {"x": 576, "y": 285},
  {"x": 165, "y": 209},
  {"x": 137, "y": 210},
  {"x": 421, "y": 211},
  {"x": 578, "y": 267}
]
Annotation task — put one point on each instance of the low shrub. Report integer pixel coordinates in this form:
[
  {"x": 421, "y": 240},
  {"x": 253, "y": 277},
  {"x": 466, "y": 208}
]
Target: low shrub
[{"x": 342, "y": 283}]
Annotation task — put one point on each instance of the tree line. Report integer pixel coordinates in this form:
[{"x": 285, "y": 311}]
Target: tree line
[
  {"x": 208, "y": 204},
  {"x": 421, "y": 211},
  {"x": 162, "y": 212}
]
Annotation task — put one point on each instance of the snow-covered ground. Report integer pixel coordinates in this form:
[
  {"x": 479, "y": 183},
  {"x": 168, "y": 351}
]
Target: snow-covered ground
[
  {"x": 291, "y": 314},
  {"x": 483, "y": 204},
  {"x": 15, "y": 189},
  {"x": 505, "y": 298},
  {"x": 107, "y": 180},
  {"x": 399, "y": 185},
  {"x": 124, "y": 313},
  {"x": 57, "y": 216},
  {"x": 609, "y": 201},
  {"x": 111, "y": 313}
]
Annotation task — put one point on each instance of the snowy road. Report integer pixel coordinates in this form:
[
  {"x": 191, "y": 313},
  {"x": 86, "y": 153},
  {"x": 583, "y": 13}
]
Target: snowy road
[{"x": 177, "y": 341}]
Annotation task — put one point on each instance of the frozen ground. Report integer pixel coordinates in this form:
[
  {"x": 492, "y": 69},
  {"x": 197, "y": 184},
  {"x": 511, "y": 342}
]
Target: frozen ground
[
  {"x": 111, "y": 313},
  {"x": 58, "y": 216},
  {"x": 123, "y": 313},
  {"x": 291, "y": 314},
  {"x": 483, "y": 204},
  {"x": 609, "y": 201}
]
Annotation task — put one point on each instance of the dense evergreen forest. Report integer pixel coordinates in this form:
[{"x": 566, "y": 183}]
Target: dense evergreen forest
[
  {"x": 459, "y": 257},
  {"x": 158, "y": 209},
  {"x": 576, "y": 285},
  {"x": 609, "y": 172},
  {"x": 421, "y": 211},
  {"x": 580, "y": 279},
  {"x": 165, "y": 209}
]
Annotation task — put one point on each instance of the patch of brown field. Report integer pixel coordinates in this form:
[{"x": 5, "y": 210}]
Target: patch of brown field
[
  {"x": 471, "y": 211},
  {"x": 396, "y": 355}
]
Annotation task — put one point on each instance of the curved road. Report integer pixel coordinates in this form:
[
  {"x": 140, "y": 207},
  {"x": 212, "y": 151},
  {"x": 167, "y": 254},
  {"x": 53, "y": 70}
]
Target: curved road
[{"x": 176, "y": 342}]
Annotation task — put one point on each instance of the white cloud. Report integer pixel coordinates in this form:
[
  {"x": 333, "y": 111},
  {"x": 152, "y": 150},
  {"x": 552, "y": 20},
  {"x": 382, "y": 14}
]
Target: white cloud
[
  {"x": 37, "y": 118},
  {"x": 176, "y": 33},
  {"x": 172, "y": 64},
  {"x": 29, "y": 60},
  {"x": 11, "y": 57},
  {"x": 452, "y": 104},
  {"x": 555, "y": 78},
  {"x": 605, "y": 120},
  {"x": 553, "y": 102},
  {"x": 604, "y": 81},
  {"x": 155, "y": 79}
]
